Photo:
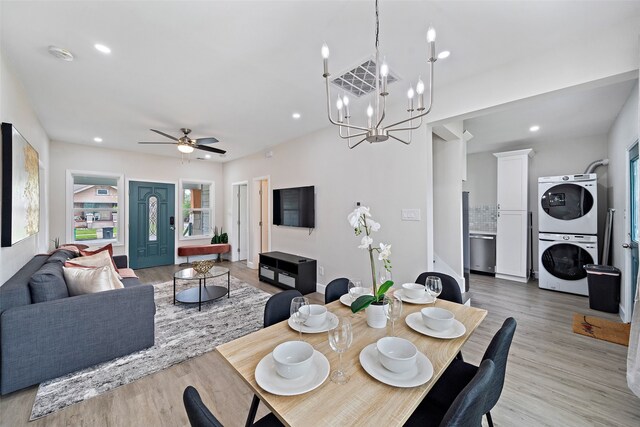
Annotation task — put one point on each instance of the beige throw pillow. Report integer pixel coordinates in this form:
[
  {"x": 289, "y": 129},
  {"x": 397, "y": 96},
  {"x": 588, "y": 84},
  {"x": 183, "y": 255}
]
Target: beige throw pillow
[
  {"x": 98, "y": 260},
  {"x": 83, "y": 280}
]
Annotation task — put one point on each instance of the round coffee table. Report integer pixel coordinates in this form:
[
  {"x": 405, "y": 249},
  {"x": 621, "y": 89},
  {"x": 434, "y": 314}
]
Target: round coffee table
[{"x": 201, "y": 293}]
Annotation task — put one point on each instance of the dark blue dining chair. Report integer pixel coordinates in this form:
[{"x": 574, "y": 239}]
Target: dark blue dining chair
[
  {"x": 467, "y": 408},
  {"x": 450, "y": 288},
  {"x": 460, "y": 373},
  {"x": 335, "y": 289}
]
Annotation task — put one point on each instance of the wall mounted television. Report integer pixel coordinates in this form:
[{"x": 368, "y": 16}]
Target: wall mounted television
[{"x": 294, "y": 207}]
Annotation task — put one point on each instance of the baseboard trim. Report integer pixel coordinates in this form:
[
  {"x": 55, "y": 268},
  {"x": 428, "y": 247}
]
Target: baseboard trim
[
  {"x": 251, "y": 265},
  {"x": 320, "y": 288},
  {"x": 512, "y": 278},
  {"x": 623, "y": 314}
]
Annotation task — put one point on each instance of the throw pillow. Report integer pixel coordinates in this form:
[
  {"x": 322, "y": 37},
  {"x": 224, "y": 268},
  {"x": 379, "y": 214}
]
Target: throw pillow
[
  {"x": 100, "y": 259},
  {"x": 61, "y": 255},
  {"x": 48, "y": 284},
  {"x": 87, "y": 280},
  {"x": 107, "y": 248}
]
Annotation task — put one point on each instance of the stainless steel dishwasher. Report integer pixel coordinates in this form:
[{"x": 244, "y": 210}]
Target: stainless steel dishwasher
[{"x": 483, "y": 252}]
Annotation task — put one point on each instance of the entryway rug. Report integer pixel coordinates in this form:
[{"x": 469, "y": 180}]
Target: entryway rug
[
  {"x": 601, "y": 329},
  {"x": 182, "y": 332}
]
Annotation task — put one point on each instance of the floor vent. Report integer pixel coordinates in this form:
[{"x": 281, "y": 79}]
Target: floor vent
[{"x": 361, "y": 80}]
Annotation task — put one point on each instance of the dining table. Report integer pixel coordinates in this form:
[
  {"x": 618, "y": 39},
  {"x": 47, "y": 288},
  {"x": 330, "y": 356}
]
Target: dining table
[{"x": 363, "y": 400}]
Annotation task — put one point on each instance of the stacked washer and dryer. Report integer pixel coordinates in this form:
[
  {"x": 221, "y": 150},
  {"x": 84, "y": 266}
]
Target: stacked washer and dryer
[{"x": 568, "y": 231}]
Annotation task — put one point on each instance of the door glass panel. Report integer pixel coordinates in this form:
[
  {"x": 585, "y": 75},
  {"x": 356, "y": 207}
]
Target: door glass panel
[
  {"x": 635, "y": 196},
  {"x": 567, "y": 201},
  {"x": 153, "y": 218},
  {"x": 566, "y": 261}
]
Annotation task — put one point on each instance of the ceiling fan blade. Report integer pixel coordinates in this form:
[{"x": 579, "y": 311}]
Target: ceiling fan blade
[
  {"x": 210, "y": 149},
  {"x": 164, "y": 134},
  {"x": 147, "y": 142},
  {"x": 209, "y": 140}
]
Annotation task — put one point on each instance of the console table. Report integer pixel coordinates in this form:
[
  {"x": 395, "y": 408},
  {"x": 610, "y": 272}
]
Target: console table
[{"x": 288, "y": 271}]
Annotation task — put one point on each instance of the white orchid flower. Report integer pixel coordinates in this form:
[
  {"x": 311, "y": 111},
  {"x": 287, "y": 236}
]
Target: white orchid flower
[
  {"x": 385, "y": 252},
  {"x": 374, "y": 226},
  {"x": 365, "y": 242},
  {"x": 354, "y": 219}
]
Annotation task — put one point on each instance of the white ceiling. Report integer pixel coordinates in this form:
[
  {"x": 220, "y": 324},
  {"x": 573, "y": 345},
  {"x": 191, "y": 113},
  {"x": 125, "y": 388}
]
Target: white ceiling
[{"x": 236, "y": 70}]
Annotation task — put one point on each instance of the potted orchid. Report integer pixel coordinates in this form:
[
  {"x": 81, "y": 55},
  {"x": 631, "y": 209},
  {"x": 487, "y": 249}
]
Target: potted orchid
[{"x": 364, "y": 225}]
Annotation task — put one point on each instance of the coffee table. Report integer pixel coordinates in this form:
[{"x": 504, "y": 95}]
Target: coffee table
[{"x": 201, "y": 293}]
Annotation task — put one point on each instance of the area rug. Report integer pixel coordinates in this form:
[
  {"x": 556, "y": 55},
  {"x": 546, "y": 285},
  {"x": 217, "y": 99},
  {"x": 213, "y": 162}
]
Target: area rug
[
  {"x": 601, "y": 329},
  {"x": 182, "y": 332}
]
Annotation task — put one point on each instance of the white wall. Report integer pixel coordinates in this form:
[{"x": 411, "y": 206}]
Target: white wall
[
  {"x": 15, "y": 109},
  {"x": 387, "y": 177},
  {"x": 551, "y": 158},
  {"x": 623, "y": 133},
  {"x": 134, "y": 166}
]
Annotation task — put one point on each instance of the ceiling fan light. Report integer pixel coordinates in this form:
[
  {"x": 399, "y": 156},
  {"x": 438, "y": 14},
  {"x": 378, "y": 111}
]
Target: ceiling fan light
[{"x": 185, "y": 148}]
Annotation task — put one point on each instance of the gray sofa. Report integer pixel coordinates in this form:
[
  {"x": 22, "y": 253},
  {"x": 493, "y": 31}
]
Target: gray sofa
[{"x": 45, "y": 333}]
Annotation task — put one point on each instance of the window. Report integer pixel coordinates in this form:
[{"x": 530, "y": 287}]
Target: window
[
  {"x": 93, "y": 209},
  {"x": 196, "y": 209}
]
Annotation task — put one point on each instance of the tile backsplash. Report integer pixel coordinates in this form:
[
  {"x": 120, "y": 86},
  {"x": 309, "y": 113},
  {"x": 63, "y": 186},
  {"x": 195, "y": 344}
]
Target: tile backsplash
[{"x": 483, "y": 218}]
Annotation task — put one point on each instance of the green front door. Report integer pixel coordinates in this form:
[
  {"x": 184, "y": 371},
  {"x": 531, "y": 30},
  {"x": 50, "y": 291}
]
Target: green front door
[{"x": 151, "y": 224}]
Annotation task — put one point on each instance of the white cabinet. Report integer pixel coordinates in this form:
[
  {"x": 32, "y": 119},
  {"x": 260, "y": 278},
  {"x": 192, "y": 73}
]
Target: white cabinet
[{"x": 512, "y": 232}]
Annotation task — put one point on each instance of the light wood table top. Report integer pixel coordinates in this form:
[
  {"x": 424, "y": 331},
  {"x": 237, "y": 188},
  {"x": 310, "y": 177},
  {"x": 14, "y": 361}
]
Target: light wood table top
[{"x": 363, "y": 400}]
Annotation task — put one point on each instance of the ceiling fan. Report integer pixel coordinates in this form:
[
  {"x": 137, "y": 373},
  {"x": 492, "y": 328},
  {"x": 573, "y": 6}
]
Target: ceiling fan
[{"x": 187, "y": 145}]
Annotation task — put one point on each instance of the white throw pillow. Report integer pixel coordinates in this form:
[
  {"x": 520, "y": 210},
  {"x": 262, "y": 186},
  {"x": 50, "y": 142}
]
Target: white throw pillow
[
  {"x": 98, "y": 260},
  {"x": 86, "y": 280}
]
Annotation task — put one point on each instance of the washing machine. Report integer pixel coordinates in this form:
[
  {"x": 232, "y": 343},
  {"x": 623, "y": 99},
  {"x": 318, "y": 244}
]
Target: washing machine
[
  {"x": 562, "y": 259},
  {"x": 568, "y": 204}
]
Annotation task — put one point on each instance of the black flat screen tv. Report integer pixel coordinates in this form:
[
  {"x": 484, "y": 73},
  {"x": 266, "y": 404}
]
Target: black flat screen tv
[{"x": 294, "y": 207}]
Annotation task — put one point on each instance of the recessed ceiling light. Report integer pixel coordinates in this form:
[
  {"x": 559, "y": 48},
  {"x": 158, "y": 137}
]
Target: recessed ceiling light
[
  {"x": 97, "y": 139},
  {"x": 444, "y": 54},
  {"x": 534, "y": 128},
  {"x": 207, "y": 156},
  {"x": 61, "y": 53},
  {"x": 102, "y": 48},
  {"x": 296, "y": 116}
]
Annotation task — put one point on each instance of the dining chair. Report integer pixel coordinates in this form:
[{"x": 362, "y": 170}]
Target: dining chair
[
  {"x": 277, "y": 309},
  {"x": 335, "y": 289},
  {"x": 450, "y": 288},
  {"x": 460, "y": 373},
  {"x": 200, "y": 416},
  {"x": 467, "y": 408}
]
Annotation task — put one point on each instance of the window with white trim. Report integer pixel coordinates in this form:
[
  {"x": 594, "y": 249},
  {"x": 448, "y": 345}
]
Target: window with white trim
[{"x": 196, "y": 209}]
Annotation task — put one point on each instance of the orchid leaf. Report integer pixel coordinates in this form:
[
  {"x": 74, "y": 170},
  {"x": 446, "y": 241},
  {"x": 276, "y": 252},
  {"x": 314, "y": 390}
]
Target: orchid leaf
[
  {"x": 362, "y": 302},
  {"x": 383, "y": 289}
]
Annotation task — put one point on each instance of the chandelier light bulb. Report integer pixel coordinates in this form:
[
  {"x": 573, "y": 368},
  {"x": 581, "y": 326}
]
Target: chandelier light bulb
[
  {"x": 185, "y": 148},
  {"x": 420, "y": 86},
  {"x": 369, "y": 111},
  {"x": 345, "y": 100},
  {"x": 410, "y": 93},
  {"x": 431, "y": 35},
  {"x": 339, "y": 103},
  {"x": 325, "y": 51},
  {"x": 384, "y": 69}
]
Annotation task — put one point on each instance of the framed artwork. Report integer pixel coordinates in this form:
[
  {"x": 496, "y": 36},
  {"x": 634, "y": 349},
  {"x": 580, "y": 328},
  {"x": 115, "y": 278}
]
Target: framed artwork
[{"x": 20, "y": 187}]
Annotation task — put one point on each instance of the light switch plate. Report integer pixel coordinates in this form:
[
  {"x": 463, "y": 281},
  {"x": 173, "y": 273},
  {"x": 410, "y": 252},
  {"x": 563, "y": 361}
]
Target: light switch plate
[{"x": 411, "y": 214}]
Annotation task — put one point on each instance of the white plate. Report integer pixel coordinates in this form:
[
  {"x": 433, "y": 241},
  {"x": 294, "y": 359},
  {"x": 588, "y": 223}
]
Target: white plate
[
  {"x": 426, "y": 299},
  {"x": 269, "y": 380},
  {"x": 330, "y": 323},
  {"x": 414, "y": 321},
  {"x": 346, "y": 299},
  {"x": 418, "y": 375}
]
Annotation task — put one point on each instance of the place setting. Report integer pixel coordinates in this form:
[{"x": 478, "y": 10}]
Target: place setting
[
  {"x": 356, "y": 289},
  {"x": 310, "y": 318}
]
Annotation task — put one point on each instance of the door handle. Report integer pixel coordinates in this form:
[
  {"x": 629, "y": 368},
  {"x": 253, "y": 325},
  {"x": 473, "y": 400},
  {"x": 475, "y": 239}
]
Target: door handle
[{"x": 626, "y": 245}]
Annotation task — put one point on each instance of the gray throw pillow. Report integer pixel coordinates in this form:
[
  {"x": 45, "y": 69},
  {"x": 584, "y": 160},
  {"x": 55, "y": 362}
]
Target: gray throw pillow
[{"x": 48, "y": 284}]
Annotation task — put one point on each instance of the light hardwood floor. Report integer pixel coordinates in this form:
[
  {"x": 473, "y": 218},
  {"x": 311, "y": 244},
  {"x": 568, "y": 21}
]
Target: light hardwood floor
[{"x": 554, "y": 377}]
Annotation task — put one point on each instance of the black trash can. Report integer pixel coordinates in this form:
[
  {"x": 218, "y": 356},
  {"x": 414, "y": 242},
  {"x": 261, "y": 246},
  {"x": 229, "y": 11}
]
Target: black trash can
[{"x": 604, "y": 287}]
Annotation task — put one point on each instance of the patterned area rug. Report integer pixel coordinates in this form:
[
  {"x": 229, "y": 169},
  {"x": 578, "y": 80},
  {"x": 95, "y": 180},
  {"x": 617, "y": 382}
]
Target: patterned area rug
[{"x": 182, "y": 332}]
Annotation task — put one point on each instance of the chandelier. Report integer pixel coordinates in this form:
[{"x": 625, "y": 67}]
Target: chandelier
[{"x": 376, "y": 131}]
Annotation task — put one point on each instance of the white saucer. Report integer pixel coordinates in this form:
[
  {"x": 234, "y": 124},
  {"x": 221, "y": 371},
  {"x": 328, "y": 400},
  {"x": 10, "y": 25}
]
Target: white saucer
[
  {"x": 269, "y": 380},
  {"x": 346, "y": 299},
  {"x": 418, "y": 375},
  {"x": 414, "y": 321},
  {"x": 425, "y": 299},
  {"x": 330, "y": 323}
]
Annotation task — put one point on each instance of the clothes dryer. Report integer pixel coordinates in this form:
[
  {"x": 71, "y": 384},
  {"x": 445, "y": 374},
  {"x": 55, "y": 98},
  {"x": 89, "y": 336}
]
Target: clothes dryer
[
  {"x": 568, "y": 204},
  {"x": 562, "y": 258}
]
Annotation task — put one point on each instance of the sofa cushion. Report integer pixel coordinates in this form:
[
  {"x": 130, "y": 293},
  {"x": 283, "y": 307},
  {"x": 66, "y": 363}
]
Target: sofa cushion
[
  {"x": 15, "y": 292},
  {"x": 61, "y": 255},
  {"x": 106, "y": 248},
  {"x": 100, "y": 259},
  {"x": 88, "y": 280},
  {"x": 48, "y": 284}
]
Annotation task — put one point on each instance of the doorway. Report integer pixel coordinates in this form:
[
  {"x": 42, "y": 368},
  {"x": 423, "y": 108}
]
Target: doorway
[
  {"x": 260, "y": 223},
  {"x": 632, "y": 226},
  {"x": 151, "y": 224},
  {"x": 240, "y": 235}
]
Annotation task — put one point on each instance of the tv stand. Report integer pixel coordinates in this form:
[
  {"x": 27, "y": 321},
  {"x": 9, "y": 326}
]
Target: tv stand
[{"x": 288, "y": 271}]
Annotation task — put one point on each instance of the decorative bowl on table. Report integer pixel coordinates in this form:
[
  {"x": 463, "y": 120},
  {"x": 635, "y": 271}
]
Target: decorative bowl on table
[{"x": 202, "y": 267}]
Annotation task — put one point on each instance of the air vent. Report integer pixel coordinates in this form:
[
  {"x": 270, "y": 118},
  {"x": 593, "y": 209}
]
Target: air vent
[{"x": 362, "y": 79}]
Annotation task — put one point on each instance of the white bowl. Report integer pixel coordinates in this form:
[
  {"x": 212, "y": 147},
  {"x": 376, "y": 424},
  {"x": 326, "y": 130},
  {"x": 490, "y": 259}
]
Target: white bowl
[
  {"x": 396, "y": 354},
  {"x": 317, "y": 314},
  {"x": 413, "y": 290},
  {"x": 437, "y": 319},
  {"x": 293, "y": 358}
]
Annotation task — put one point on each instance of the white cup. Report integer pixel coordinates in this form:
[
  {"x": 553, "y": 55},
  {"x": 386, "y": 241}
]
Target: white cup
[
  {"x": 413, "y": 290},
  {"x": 437, "y": 319},
  {"x": 293, "y": 358},
  {"x": 317, "y": 314},
  {"x": 396, "y": 354}
]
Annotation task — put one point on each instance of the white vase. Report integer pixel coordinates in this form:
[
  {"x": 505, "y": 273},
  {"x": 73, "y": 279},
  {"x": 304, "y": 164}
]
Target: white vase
[{"x": 376, "y": 317}]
